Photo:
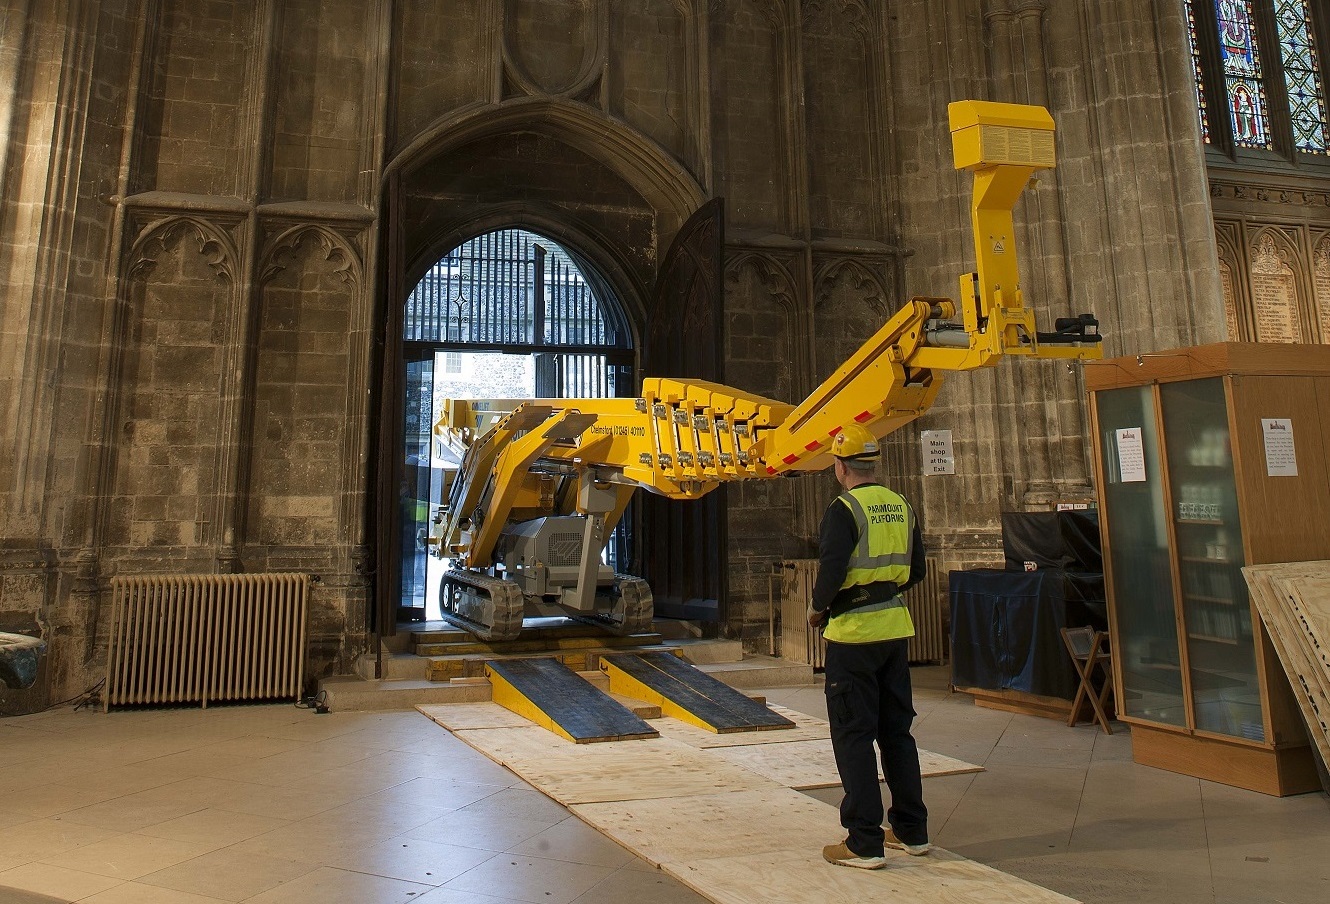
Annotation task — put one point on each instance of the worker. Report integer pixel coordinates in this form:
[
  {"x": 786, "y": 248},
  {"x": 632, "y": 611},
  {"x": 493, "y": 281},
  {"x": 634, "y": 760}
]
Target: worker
[{"x": 871, "y": 550}]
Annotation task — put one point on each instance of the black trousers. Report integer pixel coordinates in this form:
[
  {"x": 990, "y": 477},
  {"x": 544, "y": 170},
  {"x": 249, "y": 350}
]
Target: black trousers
[{"x": 868, "y": 699}]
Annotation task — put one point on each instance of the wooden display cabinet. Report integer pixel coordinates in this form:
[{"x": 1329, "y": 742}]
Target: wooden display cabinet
[{"x": 1193, "y": 462}]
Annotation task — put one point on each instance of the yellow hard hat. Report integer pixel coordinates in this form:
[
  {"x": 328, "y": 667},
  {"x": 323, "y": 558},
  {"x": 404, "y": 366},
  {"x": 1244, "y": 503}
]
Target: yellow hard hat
[{"x": 855, "y": 441}]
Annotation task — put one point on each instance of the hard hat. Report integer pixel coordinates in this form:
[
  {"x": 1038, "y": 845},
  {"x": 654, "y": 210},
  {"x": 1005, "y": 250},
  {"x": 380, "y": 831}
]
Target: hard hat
[{"x": 855, "y": 441}]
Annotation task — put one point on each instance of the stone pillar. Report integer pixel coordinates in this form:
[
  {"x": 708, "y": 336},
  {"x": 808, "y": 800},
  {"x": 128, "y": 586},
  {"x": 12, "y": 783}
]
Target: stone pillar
[{"x": 1044, "y": 448}]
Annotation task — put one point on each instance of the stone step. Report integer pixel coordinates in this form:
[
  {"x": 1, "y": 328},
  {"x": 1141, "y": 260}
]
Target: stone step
[
  {"x": 704, "y": 652},
  {"x": 466, "y": 645},
  {"x": 761, "y": 671},
  {"x": 352, "y": 693},
  {"x": 532, "y": 630},
  {"x": 445, "y": 668},
  {"x": 394, "y": 666}
]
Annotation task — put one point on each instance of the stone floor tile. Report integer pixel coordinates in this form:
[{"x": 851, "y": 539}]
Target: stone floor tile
[
  {"x": 45, "y": 837},
  {"x": 130, "y": 856},
  {"x": 212, "y": 825},
  {"x": 335, "y": 886},
  {"x": 483, "y": 831},
  {"x": 55, "y": 881},
  {"x": 228, "y": 874},
  {"x": 415, "y": 860},
  {"x": 531, "y": 879},
  {"x": 575, "y": 842},
  {"x": 138, "y": 893},
  {"x": 639, "y": 887}
]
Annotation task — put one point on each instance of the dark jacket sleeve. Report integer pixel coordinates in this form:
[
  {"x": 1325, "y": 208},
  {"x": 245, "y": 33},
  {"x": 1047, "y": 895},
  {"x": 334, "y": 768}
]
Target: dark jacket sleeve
[
  {"x": 918, "y": 557},
  {"x": 839, "y": 534}
]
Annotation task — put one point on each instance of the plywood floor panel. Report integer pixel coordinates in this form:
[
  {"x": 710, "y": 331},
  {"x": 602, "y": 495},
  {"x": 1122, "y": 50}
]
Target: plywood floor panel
[
  {"x": 805, "y": 765},
  {"x": 670, "y": 831},
  {"x": 797, "y": 876},
  {"x": 472, "y": 716},
  {"x": 620, "y": 770},
  {"x": 730, "y": 834}
]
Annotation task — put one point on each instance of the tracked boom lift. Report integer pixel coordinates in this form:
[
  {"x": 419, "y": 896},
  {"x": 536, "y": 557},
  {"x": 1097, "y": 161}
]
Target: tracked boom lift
[{"x": 542, "y": 482}]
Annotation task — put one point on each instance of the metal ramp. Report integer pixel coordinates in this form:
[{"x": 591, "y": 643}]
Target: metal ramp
[
  {"x": 687, "y": 693},
  {"x": 553, "y": 696}
]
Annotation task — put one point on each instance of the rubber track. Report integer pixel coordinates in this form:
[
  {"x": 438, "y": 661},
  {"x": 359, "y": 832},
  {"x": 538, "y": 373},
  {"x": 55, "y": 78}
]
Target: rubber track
[
  {"x": 508, "y": 605},
  {"x": 638, "y": 608}
]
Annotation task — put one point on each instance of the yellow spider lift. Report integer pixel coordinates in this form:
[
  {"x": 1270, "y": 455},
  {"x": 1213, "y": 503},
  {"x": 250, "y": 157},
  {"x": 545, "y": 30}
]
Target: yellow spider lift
[{"x": 543, "y": 481}]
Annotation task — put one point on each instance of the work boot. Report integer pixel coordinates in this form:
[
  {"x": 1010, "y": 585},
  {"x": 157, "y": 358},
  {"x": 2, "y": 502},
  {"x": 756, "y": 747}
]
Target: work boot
[
  {"x": 914, "y": 850},
  {"x": 841, "y": 855}
]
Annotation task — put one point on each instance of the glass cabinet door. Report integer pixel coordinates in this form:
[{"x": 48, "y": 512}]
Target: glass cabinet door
[
  {"x": 1216, "y": 611},
  {"x": 1136, "y": 522}
]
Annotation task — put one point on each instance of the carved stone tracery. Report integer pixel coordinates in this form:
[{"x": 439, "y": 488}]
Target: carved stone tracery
[
  {"x": 165, "y": 235},
  {"x": 852, "y": 273},
  {"x": 332, "y": 245}
]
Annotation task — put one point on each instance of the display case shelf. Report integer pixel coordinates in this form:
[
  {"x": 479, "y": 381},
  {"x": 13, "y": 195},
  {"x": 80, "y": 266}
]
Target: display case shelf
[
  {"x": 1214, "y": 600},
  {"x": 1212, "y": 639}
]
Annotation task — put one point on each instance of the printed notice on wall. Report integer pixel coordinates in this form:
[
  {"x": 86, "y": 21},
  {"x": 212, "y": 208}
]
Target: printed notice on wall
[
  {"x": 1131, "y": 455},
  {"x": 938, "y": 455},
  {"x": 1280, "y": 458}
]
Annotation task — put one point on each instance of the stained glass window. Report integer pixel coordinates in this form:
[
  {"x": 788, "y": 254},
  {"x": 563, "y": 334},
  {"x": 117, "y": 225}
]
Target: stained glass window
[
  {"x": 1306, "y": 93},
  {"x": 1242, "y": 73},
  {"x": 1197, "y": 82}
]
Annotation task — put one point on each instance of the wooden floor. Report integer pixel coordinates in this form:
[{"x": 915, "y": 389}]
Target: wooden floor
[{"x": 726, "y": 819}]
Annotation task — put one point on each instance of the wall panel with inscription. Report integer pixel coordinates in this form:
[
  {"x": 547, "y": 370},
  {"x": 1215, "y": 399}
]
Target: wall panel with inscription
[{"x": 1273, "y": 249}]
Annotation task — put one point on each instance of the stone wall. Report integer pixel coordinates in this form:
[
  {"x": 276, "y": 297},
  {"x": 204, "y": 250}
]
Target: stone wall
[{"x": 209, "y": 207}]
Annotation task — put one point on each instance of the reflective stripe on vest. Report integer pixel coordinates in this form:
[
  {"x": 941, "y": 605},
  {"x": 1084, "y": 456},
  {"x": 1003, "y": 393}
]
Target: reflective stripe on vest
[{"x": 885, "y": 526}]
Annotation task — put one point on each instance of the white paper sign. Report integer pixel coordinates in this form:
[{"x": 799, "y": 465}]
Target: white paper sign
[
  {"x": 1131, "y": 455},
  {"x": 939, "y": 458},
  {"x": 1281, "y": 460}
]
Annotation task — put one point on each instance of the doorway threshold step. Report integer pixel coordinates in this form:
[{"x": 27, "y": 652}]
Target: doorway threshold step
[
  {"x": 472, "y": 665},
  {"x": 468, "y": 645}
]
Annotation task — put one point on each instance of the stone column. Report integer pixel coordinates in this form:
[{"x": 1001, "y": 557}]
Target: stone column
[{"x": 1045, "y": 450}]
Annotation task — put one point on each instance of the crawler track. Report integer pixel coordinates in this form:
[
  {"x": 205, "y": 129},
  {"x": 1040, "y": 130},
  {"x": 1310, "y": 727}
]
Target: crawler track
[{"x": 488, "y": 607}]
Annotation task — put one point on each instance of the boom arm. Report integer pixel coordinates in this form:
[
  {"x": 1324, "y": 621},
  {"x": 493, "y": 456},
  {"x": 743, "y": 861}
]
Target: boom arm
[{"x": 684, "y": 438}]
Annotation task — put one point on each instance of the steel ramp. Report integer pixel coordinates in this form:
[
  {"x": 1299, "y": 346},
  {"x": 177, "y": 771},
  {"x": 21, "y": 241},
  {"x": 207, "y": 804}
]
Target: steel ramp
[
  {"x": 553, "y": 696},
  {"x": 687, "y": 693}
]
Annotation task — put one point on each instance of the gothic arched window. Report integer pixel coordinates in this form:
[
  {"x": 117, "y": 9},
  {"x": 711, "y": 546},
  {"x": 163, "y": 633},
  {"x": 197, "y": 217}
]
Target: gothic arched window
[{"x": 1260, "y": 82}]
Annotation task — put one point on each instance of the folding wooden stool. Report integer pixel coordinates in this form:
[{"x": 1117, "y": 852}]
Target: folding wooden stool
[{"x": 1088, "y": 649}]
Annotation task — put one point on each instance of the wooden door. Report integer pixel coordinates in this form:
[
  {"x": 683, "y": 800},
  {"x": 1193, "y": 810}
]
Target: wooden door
[{"x": 682, "y": 545}]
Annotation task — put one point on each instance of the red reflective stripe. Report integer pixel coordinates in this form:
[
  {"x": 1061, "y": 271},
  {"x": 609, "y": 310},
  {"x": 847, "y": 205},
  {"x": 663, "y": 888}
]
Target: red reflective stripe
[
  {"x": 770, "y": 469},
  {"x": 863, "y": 417},
  {"x": 790, "y": 459},
  {"x": 812, "y": 446},
  {"x": 833, "y": 431}
]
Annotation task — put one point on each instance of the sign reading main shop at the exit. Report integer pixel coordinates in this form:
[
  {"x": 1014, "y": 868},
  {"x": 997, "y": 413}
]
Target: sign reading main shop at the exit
[{"x": 939, "y": 457}]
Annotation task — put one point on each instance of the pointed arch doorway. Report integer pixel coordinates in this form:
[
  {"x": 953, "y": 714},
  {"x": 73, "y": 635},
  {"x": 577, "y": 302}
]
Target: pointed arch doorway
[
  {"x": 616, "y": 202},
  {"x": 509, "y": 314}
]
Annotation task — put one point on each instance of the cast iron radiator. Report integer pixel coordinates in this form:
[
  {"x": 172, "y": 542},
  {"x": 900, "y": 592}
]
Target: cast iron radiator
[
  {"x": 206, "y": 638},
  {"x": 927, "y": 602}
]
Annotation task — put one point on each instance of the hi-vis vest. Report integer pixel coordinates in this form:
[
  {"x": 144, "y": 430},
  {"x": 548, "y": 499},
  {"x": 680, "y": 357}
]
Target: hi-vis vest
[{"x": 886, "y": 531}]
